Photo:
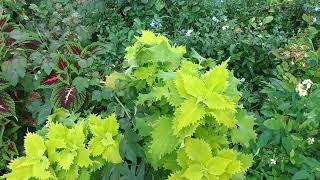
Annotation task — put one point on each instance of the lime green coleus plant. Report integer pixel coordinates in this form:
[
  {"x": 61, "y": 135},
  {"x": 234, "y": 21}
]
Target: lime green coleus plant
[
  {"x": 69, "y": 152},
  {"x": 199, "y": 112}
]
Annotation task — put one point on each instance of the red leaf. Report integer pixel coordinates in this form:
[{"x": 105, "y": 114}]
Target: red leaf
[
  {"x": 33, "y": 95},
  {"x": 3, "y": 20},
  {"x": 93, "y": 48},
  {"x": 75, "y": 49},
  {"x": 32, "y": 44},
  {"x": 10, "y": 41},
  {"x": 3, "y": 107},
  {"x": 31, "y": 120},
  {"x": 52, "y": 78},
  {"x": 10, "y": 146},
  {"x": 62, "y": 64},
  {"x": 63, "y": 76},
  {"x": 67, "y": 96},
  {"x": 76, "y": 65},
  {"x": 8, "y": 29}
]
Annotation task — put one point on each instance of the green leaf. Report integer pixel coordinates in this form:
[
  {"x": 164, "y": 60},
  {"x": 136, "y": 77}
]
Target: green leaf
[
  {"x": 81, "y": 83},
  {"x": 244, "y": 133},
  {"x": 273, "y": 123},
  {"x": 14, "y": 69},
  {"x": 302, "y": 174},
  {"x": 267, "y": 19},
  {"x": 96, "y": 96}
]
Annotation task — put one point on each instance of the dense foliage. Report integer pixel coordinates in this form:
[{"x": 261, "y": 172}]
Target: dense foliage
[{"x": 159, "y": 89}]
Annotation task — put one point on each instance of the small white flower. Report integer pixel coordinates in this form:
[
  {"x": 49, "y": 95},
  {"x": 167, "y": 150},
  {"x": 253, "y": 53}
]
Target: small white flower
[
  {"x": 225, "y": 27},
  {"x": 188, "y": 33},
  {"x": 225, "y": 18},
  {"x": 273, "y": 162},
  {"x": 299, "y": 87},
  {"x": 215, "y": 19},
  {"x": 310, "y": 141},
  {"x": 242, "y": 80},
  {"x": 314, "y": 19},
  {"x": 303, "y": 92},
  {"x": 155, "y": 23},
  {"x": 307, "y": 82}
]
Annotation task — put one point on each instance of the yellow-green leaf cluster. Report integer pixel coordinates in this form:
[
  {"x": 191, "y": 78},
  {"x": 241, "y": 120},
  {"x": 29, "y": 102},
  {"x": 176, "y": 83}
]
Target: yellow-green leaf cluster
[
  {"x": 68, "y": 152},
  {"x": 198, "y": 163}
]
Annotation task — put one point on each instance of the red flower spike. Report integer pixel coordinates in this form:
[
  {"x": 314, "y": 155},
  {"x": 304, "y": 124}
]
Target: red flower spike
[
  {"x": 75, "y": 49},
  {"x": 52, "y": 78},
  {"x": 62, "y": 64}
]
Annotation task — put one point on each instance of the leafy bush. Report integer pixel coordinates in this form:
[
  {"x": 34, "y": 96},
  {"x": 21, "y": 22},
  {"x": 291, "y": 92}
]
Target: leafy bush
[{"x": 177, "y": 114}]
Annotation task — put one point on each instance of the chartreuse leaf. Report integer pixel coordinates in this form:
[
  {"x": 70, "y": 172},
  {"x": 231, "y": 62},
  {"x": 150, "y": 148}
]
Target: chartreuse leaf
[
  {"x": 106, "y": 138},
  {"x": 194, "y": 171},
  {"x": 163, "y": 141},
  {"x": 188, "y": 114},
  {"x": 217, "y": 78},
  {"x": 225, "y": 117},
  {"x": 66, "y": 146},
  {"x": 194, "y": 86},
  {"x": 198, "y": 150},
  {"x": 34, "y": 165},
  {"x": 244, "y": 133},
  {"x": 197, "y": 162}
]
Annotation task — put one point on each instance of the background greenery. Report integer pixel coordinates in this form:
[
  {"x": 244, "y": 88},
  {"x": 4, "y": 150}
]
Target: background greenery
[{"x": 253, "y": 33}]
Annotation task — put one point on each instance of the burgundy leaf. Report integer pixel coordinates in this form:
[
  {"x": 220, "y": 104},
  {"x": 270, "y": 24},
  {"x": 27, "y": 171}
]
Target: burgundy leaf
[
  {"x": 2, "y": 81},
  {"x": 32, "y": 44},
  {"x": 3, "y": 107},
  {"x": 10, "y": 41},
  {"x": 63, "y": 76},
  {"x": 76, "y": 65},
  {"x": 52, "y": 78},
  {"x": 67, "y": 96},
  {"x": 101, "y": 73},
  {"x": 33, "y": 95},
  {"x": 8, "y": 29},
  {"x": 31, "y": 120},
  {"x": 3, "y": 20},
  {"x": 93, "y": 48},
  {"x": 62, "y": 64},
  {"x": 75, "y": 49}
]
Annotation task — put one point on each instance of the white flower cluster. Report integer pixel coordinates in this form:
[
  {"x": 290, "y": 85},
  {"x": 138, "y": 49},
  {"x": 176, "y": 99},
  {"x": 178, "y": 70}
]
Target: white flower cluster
[
  {"x": 303, "y": 87},
  {"x": 273, "y": 162},
  {"x": 188, "y": 33},
  {"x": 310, "y": 141}
]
